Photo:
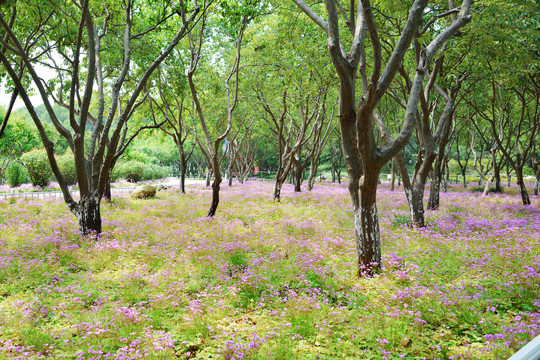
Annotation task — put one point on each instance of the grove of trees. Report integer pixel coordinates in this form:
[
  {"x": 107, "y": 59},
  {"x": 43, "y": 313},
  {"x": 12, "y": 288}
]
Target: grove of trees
[{"x": 427, "y": 92}]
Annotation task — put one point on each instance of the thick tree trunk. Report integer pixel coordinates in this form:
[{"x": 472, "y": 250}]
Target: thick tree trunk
[
  {"x": 536, "y": 184},
  {"x": 107, "y": 196},
  {"x": 366, "y": 224},
  {"x": 89, "y": 216},
  {"x": 416, "y": 203},
  {"x": 297, "y": 180},
  {"x": 522, "y": 188}
]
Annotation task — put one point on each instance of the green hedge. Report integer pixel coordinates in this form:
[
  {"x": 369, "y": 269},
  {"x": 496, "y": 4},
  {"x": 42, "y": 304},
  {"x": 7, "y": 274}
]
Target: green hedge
[{"x": 134, "y": 171}]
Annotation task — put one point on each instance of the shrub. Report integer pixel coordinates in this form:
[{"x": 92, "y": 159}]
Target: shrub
[
  {"x": 153, "y": 171},
  {"x": 15, "y": 174},
  {"x": 39, "y": 169},
  {"x": 132, "y": 171},
  {"x": 66, "y": 164}
]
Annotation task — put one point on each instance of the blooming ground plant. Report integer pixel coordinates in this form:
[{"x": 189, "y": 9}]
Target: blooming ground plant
[{"x": 267, "y": 280}]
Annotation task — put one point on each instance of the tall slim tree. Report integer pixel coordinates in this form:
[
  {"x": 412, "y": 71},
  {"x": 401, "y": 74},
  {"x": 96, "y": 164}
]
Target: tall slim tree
[{"x": 208, "y": 145}]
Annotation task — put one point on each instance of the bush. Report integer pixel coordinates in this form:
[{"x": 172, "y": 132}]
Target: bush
[
  {"x": 66, "y": 164},
  {"x": 131, "y": 171},
  {"x": 39, "y": 169},
  {"x": 153, "y": 171},
  {"x": 15, "y": 174}
]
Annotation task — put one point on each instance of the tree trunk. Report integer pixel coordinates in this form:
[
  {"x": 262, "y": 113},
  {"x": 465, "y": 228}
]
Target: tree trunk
[
  {"x": 464, "y": 174},
  {"x": 434, "y": 189},
  {"x": 89, "y": 216},
  {"x": 487, "y": 186},
  {"x": 416, "y": 203},
  {"x": 496, "y": 171},
  {"x": 392, "y": 174},
  {"x": 277, "y": 190},
  {"x": 312, "y": 175},
  {"x": 107, "y": 196},
  {"x": 522, "y": 188},
  {"x": 208, "y": 177},
  {"x": 536, "y": 184},
  {"x": 297, "y": 179},
  {"x": 446, "y": 177},
  {"x": 215, "y": 188},
  {"x": 183, "y": 169},
  {"x": 366, "y": 224},
  {"x": 508, "y": 176}
]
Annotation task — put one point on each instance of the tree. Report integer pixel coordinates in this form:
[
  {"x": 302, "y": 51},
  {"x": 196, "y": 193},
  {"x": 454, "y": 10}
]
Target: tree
[
  {"x": 209, "y": 146},
  {"x": 81, "y": 53},
  {"x": 363, "y": 158},
  {"x": 172, "y": 109}
]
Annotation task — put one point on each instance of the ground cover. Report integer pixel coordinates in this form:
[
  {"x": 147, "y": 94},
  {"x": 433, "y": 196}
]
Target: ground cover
[{"x": 264, "y": 280}]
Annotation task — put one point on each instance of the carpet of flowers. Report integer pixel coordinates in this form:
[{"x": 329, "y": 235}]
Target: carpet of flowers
[{"x": 267, "y": 280}]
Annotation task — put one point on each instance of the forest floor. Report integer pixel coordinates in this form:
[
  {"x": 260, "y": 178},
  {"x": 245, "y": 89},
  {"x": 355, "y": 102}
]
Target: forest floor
[{"x": 267, "y": 280}]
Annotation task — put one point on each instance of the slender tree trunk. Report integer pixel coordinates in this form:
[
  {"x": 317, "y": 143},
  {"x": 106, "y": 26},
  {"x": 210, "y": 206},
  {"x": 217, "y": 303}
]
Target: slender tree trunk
[
  {"x": 488, "y": 185},
  {"x": 277, "y": 190},
  {"x": 522, "y": 188},
  {"x": 215, "y": 188},
  {"x": 445, "y": 177},
  {"x": 464, "y": 174},
  {"x": 536, "y": 169},
  {"x": 496, "y": 171},
  {"x": 392, "y": 175},
  {"x": 183, "y": 169},
  {"x": 508, "y": 176},
  {"x": 312, "y": 174},
  {"x": 208, "y": 177},
  {"x": 89, "y": 216}
]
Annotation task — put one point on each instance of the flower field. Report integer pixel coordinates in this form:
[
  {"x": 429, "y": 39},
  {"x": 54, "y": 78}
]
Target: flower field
[{"x": 267, "y": 280}]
